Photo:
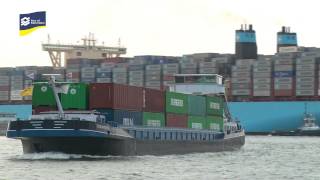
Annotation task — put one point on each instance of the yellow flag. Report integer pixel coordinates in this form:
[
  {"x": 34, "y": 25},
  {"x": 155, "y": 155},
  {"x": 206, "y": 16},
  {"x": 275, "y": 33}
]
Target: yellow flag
[{"x": 27, "y": 91}]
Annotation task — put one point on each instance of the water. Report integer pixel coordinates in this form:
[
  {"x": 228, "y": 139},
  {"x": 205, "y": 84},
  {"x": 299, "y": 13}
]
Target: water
[{"x": 263, "y": 157}]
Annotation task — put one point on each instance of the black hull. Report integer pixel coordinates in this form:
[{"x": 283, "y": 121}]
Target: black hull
[{"x": 106, "y": 146}]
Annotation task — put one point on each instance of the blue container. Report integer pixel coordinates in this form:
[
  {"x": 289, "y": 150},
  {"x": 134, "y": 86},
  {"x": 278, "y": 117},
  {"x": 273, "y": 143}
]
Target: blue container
[
  {"x": 123, "y": 117},
  {"x": 278, "y": 74}
]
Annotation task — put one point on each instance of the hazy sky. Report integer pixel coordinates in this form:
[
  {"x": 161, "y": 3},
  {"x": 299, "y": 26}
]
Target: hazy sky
[{"x": 159, "y": 27}]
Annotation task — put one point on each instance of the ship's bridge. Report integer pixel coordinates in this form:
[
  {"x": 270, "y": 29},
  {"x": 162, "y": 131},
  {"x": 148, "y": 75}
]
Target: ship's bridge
[{"x": 198, "y": 84}]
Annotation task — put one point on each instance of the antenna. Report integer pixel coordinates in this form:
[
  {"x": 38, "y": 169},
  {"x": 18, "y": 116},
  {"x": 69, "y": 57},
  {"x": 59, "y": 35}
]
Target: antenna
[{"x": 119, "y": 42}]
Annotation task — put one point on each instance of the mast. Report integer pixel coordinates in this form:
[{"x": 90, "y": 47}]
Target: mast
[{"x": 52, "y": 84}]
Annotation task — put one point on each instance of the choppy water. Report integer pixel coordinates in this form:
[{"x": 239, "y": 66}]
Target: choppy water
[{"x": 262, "y": 157}]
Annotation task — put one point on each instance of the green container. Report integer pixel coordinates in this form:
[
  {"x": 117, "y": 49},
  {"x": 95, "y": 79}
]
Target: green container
[
  {"x": 215, "y": 106},
  {"x": 196, "y": 122},
  {"x": 76, "y": 98},
  {"x": 153, "y": 119},
  {"x": 214, "y": 123},
  {"x": 176, "y": 103},
  {"x": 42, "y": 95},
  {"x": 197, "y": 105}
]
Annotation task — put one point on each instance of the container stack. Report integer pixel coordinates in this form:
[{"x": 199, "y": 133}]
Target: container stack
[
  {"x": 30, "y": 74},
  {"x": 188, "y": 66},
  {"x": 76, "y": 97},
  {"x": 17, "y": 85},
  {"x": 73, "y": 70},
  {"x": 88, "y": 74},
  {"x": 153, "y": 108},
  {"x": 153, "y": 76},
  {"x": 305, "y": 76},
  {"x": 196, "y": 112},
  {"x": 207, "y": 68},
  {"x": 214, "y": 111},
  {"x": 168, "y": 72},
  {"x": 43, "y": 98},
  {"x": 283, "y": 77},
  {"x": 104, "y": 73},
  {"x": 262, "y": 78},
  {"x": 241, "y": 83},
  {"x": 176, "y": 110},
  {"x": 4, "y": 83},
  {"x": 120, "y": 74},
  {"x": 136, "y": 72}
]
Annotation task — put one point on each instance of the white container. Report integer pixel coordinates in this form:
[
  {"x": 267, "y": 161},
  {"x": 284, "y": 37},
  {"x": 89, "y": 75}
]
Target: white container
[
  {"x": 305, "y": 73},
  {"x": 283, "y": 61},
  {"x": 241, "y": 68},
  {"x": 242, "y": 92},
  {"x": 154, "y": 67},
  {"x": 305, "y": 92},
  {"x": 104, "y": 80},
  {"x": 207, "y": 64},
  {"x": 305, "y": 67},
  {"x": 305, "y": 86},
  {"x": 261, "y": 86},
  {"x": 262, "y": 69},
  {"x": 262, "y": 63},
  {"x": 283, "y": 80},
  {"x": 241, "y": 74},
  {"x": 282, "y": 86},
  {"x": 240, "y": 86},
  {"x": 305, "y": 79},
  {"x": 245, "y": 62},
  {"x": 283, "y": 67},
  {"x": 208, "y": 71},
  {"x": 261, "y": 80},
  {"x": 261, "y": 75},
  {"x": 240, "y": 80},
  {"x": 306, "y": 60},
  {"x": 261, "y": 93}
]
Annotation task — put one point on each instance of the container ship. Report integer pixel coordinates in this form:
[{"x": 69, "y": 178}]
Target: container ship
[
  {"x": 115, "y": 119},
  {"x": 266, "y": 93}
]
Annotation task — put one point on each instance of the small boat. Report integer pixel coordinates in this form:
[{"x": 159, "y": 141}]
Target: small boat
[{"x": 310, "y": 127}]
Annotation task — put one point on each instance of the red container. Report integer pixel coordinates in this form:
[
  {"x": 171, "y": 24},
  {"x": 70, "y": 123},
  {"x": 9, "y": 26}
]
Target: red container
[
  {"x": 283, "y": 93},
  {"x": 4, "y": 88},
  {"x": 115, "y": 96},
  {"x": 135, "y": 98},
  {"x": 153, "y": 100},
  {"x": 176, "y": 120},
  {"x": 39, "y": 109}
]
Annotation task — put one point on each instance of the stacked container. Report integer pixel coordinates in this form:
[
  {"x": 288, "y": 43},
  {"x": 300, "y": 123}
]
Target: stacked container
[
  {"x": 42, "y": 98},
  {"x": 153, "y": 107},
  {"x": 262, "y": 78},
  {"x": 119, "y": 75},
  {"x": 283, "y": 77},
  {"x": 176, "y": 110},
  {"x": 214, "y": 112},
  {"x": 207, "y": 68},
  {"x": 153, "y": 76},
  {"x": 241, "y": 83},
  {"x": 136, "y": 72},
  {"x": 188, "y": 66},
  {"x": 305, "y": 76},
  {"x": 4, "y": 83},
  {"x": 88, "y": 74},
  {"x": 73, "y": 70},
  {"x": 16, "y": 85},
  {"x": 196, "y": 112},
  {"x": 76, "y": 97},
  {"x": 168, "y": 72}
]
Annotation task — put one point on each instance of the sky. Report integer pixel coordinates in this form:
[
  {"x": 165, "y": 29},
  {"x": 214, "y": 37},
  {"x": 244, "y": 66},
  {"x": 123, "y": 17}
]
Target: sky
[{"x": 157, "y": 27}]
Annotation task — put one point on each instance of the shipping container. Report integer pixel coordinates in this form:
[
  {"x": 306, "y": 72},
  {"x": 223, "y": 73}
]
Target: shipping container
[
  {"x": 303, "y": 86},
  {"x": 309, "y": 92},
  {"x": 262, "y": 69},
  {"x": 242, "y": 92},
  {"x": 261, "y": 86},
  {"x": 283, "y": 80},
  {"x": 153, "y": 83},
  {"x": 4, "y": 95},
  {"x": 197, "y": 105},
  {"x": 283, "y": 62},
  {"x": 262, "y": 80},
  {"x": 123, "y": 117},
  {"x": 261, "y": 74},
  {"x": 42, "y": 95},
  {"x": 15, "y": 95},
  {"x": 214, "y": 123},
  {"x": 305, "y": 79},
  {"x": 241, "y": 68},
  {"x": 245, "y": 62},
  {"x": 176, "y": 103},
  {"x": 306, "y": 60},
  {"x": 261, "y": 92},
  {"x": 283, "y": 86},
  {"x": 305, "y": 73},
  {"x": 176, "y": 120},
  {"x": 153, "y": 119},
  {"x": 189, "y": 71},
  {"x": 207, "y": 65},
  {"x": 283, "y": 92},
  {"x": 197, "y": 122},
  {"x": 241, "y": 74},
  {"x": 208, "y": 71},
  {"x": 305, "y": 67},
  {"x": 241, "y": 80},
  {"x": 170, "y": 66},
  {"x": 262, "y": 63},
  {"x": 214, "y": 105},
  {"x": 241, "y": 86},
  {"x": 153, "y": 100},
  {"x": 283, "y": 74},
  {"x": 76, "y": 98},
  {"x": 154, "y": 67},
  {"x": 283, "y": 68},
  {"x": 115, "y": 96}
]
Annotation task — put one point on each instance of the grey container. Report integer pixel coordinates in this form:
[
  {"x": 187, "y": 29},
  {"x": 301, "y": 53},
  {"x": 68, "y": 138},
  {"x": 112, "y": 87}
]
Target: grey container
[
  {"x": 71, "y": 70},
  {"x": 170, "y": 72},
  {"x": 240, "y": 80},
  {"x": 136, "y": 83},
  {"x": 119, "y": 69},
  {"x": 128, "y": 118},
  {"x": 283, "y": 80},
  {"x": 241, "y": 86},
  {"x": 305, "y": 86},
  {"x": 262, "y": 69},
  {"x": 16, "y": 86},
  {"x": 261, "y": 93},
  {"x": 306, "y": 60},
  {"x": 153, "y": 67},
  {"x": 242, "y": 92},
  {"x": 188, "y": 65},
  {"x": 283, "y": 62},
  {"x": 103, "y": 80},
  {"x": 170, "y": 66},
  {"x": 261, "y": 80},
  {"x": 104, "y": 70},
  {"x": 88, "y": 70},
  {"x": 136, "y": 73},
  {"x": 245, "y": 62},
  {"x": 119, "y": 75},
  {"x": 220, "y": 59},
  {"x": 283, "y": 86},
  {"x": 261, "y": 86},
  {"x": 241, "y": 68},
  {"x": 208, "y": 71},
  {"x": 305, "y": 67},
  {"x": 283, "y": 67},
  {"x": 262, "y": 63},
  {"x": 207, "y": 65},
  {"x": 4, "y": 95},
  {"x": 305, "y": 73},
  {"x": 189, "y": 71},
  {"x": 153, "y": 87},
  {"x": 107, "y": 65},
  {"x": 136, "y": 61},
  {"x": 261, "y": 74},
  {"x": 121, "y": 65},
  {"x": 305, "y": 79},
  {"x": 136, "y": 79},
  {"x": 153, "y": 83},
  {"x": 88, "y": 74},
  {"x": 136, "y": 68},
  {"x": 157, "y": 73},
  {"x": 309, "y": 92},
  {"x": 241, "y": 74},
  {"x": 153, "y": 78}
]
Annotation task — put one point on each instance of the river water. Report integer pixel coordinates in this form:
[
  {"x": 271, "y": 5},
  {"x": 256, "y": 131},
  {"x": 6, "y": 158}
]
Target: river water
[{"x": 262, "y": 157}]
